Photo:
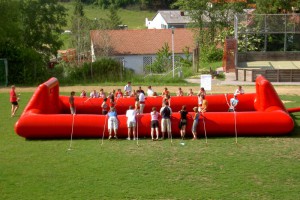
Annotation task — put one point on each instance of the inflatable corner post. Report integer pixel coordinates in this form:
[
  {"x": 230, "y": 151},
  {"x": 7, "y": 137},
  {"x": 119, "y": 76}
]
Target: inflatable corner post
[{"x": 47, "y": 115}]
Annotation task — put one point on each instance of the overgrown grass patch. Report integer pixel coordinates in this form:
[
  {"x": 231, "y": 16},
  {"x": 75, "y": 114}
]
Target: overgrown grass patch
[{"x": 256, "y": 168}]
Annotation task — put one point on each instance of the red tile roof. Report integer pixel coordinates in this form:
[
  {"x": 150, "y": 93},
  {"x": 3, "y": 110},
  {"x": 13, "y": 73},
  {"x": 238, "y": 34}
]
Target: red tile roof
[{"x": 141, "y": 42}]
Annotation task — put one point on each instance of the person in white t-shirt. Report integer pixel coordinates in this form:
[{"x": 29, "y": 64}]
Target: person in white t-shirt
[
  {"x": 233, "y": 103},
  {"x": 179, "y": 92},
  {"x": 128, "y": 89},
  {"x": 142, "y": 101},
  {"x": 131, "y": 122},
  {"x": 150, "y": 92},
  {"x": 239, "y": 90},
  {"x": 94, "y": 94}
]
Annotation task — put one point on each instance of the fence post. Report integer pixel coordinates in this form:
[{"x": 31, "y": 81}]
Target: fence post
[{"x": 244, "y": 74}]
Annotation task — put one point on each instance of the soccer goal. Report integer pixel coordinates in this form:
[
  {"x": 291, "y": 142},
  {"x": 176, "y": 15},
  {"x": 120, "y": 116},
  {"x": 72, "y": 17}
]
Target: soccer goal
[{"x": 3, "y": 72}]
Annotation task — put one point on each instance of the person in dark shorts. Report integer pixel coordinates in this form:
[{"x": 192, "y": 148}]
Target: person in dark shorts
[
  {"x": 154, "y": 123},
  {"x": 183, "y": 121},
  {"x": 196, "y": 117},
  {"x": 13, "y": 100},
  {"x": 166, "y": 113}
]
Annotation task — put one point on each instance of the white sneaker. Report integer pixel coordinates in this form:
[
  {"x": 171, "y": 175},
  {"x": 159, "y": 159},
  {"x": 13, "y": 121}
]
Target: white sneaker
[
  {"x": 134, "y": 138},
  {"x": 128, "y": 138}
]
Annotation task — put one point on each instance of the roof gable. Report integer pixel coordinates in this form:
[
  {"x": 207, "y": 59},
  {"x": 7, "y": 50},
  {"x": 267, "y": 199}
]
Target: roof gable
[{"x": 141, "y": 42}]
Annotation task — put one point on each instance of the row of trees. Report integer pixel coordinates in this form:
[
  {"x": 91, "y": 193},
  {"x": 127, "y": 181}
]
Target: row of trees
[
  {"x": 30, "y": 34},
  {"x": 30, "y": 29},
  {"x": 81, "y": 26}
]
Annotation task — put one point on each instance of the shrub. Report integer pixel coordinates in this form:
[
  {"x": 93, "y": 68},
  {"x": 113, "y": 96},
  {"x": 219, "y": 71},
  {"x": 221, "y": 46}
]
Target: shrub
[
  {"x": 103, "y": 70},
  {"x": 212, "y": 54}
]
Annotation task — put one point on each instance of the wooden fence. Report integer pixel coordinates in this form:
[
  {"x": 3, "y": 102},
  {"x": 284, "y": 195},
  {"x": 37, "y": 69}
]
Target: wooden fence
[{"x": 273, "y": 75}]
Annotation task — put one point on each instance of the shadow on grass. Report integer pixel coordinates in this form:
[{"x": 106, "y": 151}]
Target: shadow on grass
[{"x": 296, "y": 132}]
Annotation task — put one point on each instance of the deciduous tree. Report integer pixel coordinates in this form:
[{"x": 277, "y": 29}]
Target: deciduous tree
[{"x": 43, "y": 22}]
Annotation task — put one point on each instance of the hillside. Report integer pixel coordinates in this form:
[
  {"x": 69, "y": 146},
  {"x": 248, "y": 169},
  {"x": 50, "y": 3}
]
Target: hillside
[{"x": 134, "y": 19}]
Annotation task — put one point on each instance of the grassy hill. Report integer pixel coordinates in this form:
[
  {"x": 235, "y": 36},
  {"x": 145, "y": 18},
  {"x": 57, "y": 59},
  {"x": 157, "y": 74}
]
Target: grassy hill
[{"x": 134, "y": 19}]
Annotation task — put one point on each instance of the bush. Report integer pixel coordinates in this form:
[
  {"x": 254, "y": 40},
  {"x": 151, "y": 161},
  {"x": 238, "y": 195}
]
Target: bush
[
  {"x": 103, "y": 70},
  {"x": 212, "y": 54}
]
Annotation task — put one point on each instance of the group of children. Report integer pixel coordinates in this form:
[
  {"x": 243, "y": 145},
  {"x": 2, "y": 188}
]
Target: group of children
[{"x": 165, "y": 111}]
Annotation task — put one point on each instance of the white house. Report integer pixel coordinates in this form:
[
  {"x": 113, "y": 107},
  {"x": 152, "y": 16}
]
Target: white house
[
  {"x": 165, "y": 19},
  {"x": 137, "y": 48}
]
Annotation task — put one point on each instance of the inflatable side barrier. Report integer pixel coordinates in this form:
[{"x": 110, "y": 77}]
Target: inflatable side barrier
[{"x": 47, "y": 115}]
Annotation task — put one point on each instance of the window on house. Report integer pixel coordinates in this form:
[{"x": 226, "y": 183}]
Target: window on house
[
  {"x": 147, "y": 60},
  {"x": 163, "y": 26}
]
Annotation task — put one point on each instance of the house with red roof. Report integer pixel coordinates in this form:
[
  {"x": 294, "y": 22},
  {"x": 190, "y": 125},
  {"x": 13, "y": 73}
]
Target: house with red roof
[{"x": 136, "y": 49}]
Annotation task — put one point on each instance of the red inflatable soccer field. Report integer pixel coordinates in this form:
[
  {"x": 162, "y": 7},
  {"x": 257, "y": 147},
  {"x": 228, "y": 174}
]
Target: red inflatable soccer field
[{"x": 47, "y": 115}]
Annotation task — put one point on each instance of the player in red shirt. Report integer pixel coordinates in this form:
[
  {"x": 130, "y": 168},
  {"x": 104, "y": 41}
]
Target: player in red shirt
[
  {"x": 118, "y": 94},
  {"x": 13, "y": 100}
]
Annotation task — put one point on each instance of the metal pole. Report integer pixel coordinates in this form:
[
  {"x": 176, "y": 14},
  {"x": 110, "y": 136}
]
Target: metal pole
[
  {"x": 173, "y": 51},
  {"x": 5, "y": 69}
]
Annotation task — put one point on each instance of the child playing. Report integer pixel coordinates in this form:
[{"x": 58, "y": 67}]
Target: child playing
[
  {"x": 154, "y": 123},
  {"x": 195, "y": 122}
]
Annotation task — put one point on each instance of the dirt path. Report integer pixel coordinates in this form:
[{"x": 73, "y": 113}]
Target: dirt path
[{"x": 281, "y": 90}]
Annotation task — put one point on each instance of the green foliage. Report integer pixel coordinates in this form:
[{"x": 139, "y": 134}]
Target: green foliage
[
  {"x": 212, "y": 54},
  {"x": 10, "y": 22},
  {"x": 209, "y": 20},
  {"x": 103, "y": 70},
  {"x": 42, "y": 22},
  {"x": 163, "y": 61},
  {"x": 78, "y": 10},
  {"x": 135, "y": 19},
  {"x": 185, "y": 61},
  {"x": 276, "y": 6},
  {"x": 114, "y": 18},
  {"x": 25, "y": 65},
  {"x": 143, "y": 4},
  {"x": 29, "y": 35},
  {"x": 117, "y": 3}
]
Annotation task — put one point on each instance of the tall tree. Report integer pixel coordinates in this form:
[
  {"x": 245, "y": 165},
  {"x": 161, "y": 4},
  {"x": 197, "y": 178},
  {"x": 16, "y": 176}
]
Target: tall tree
[
  {"x": 113, "y": 17},
  {"x": 78, "y": 10},
  {"x": 81, "y": 27},
  {"x": 10, "y": 22},
  {"x": 43, "y": 22},
  {"x": 29, "y": 31},
  {"x": 210, "y": 18}
]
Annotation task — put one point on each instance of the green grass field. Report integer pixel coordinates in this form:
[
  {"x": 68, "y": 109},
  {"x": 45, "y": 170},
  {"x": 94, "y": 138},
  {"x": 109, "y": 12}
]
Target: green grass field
[{"x": 258, "y": 168}]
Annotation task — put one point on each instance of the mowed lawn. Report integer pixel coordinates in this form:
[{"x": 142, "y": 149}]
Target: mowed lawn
[{"x": 256, "y": 168}]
